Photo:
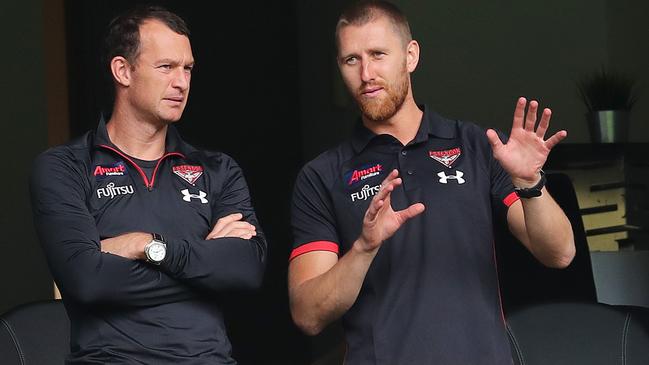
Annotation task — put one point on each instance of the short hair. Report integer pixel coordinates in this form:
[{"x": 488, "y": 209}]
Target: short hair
[
  {"x": 123, "y": 33},
  {"x": 365, "y": 11}
]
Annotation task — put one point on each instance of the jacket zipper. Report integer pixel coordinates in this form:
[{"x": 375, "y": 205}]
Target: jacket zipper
[{"x": 147, "y": 183}]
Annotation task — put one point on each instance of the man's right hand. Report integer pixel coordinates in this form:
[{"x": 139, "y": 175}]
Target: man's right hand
[
  {"x": 381, "y": 221},
  {"x": 323, "y": 287},
  {"x": 232, "y": 226}
]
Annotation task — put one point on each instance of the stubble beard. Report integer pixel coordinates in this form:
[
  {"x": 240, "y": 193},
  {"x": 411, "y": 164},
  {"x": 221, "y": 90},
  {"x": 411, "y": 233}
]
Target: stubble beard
[
  {"x": 383, "y": 108},
  {"x": 170, "y": 114}
]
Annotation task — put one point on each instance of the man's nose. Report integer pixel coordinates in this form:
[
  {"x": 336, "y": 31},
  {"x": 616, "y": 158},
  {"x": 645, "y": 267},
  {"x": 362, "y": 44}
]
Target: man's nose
[
  {"x": 367, "y": 71},
  {"x": 181, "y": 78}
]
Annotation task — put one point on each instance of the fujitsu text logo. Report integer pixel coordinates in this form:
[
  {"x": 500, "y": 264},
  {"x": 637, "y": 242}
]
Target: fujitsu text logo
[
  {"x": 366, "y": 192},
  {"x": 187, "y": 196},
  {"x": 443, "y": 178},
  {"x": 112, "y": 191},
  {"x": 365, "y": 172},
  {"x": 117, "y": 169}
]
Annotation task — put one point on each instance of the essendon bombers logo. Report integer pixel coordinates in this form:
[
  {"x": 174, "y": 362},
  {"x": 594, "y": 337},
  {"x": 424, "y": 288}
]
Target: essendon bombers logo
[
  {"x": 189, "y": 173},
  {"x": 118, "y": 169},
  {"x": 363, "y": 173},
  {"x": 447, "y": 157}
]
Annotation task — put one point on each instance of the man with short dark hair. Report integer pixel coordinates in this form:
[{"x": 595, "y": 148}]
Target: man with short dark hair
[
  {"x": 140, "y": 229},
  {"x": 393, "y": 229}
]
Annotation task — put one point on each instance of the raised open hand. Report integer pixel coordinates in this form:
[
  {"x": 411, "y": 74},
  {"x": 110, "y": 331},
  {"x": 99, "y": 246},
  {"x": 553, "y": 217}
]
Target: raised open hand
[
  {"x": 526, "y": 151},
  {"x": 381, "y": 221}
]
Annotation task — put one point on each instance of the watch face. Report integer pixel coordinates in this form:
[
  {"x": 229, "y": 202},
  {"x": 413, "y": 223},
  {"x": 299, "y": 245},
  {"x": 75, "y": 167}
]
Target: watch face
[{"x": 157, "y": 252}]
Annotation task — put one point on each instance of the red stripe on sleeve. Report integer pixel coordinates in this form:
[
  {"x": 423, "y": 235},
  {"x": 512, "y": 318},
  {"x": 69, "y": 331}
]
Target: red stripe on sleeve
[
  {"x": 314, "y": 246},
  {"x": 510, "y": 199}
]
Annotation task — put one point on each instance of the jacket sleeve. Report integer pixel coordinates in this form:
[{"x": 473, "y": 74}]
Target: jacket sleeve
[
  {"x": 222, "y": 263},
  {"x": 70, "y": 240}
]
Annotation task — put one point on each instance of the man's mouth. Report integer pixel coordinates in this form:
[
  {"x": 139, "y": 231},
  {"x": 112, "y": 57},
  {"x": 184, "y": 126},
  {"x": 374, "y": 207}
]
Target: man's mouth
[
  {"x": 371, "y": 91},
  {"x": 175, "y": 99}
]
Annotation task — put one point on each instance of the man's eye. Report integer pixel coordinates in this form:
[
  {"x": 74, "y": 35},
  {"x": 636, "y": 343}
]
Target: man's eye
[
  {"x": 351, "y": 60},
  {"x": 165, "y": 67}
]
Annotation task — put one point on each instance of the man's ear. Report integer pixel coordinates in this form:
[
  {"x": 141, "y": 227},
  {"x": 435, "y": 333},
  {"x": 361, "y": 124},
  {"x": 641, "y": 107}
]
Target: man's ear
[
  {"x": 412, "y": 55},
  {"x": 121, "y": 70}
]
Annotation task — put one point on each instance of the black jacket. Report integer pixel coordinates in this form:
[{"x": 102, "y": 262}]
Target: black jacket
[{"x": 126, "y": 311}]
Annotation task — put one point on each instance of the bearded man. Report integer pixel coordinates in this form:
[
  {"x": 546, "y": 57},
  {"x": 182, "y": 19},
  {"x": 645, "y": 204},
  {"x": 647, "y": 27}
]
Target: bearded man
[{"x": 393, "y": 229}]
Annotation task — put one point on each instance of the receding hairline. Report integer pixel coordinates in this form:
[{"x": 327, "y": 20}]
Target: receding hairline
[{"x": 373, "y": 12}]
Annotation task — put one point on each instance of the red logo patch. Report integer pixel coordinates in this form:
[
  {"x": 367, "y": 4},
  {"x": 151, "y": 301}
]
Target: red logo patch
[
  {"x": 188, "y": 173},
  {"x": 447, "y": 157}
]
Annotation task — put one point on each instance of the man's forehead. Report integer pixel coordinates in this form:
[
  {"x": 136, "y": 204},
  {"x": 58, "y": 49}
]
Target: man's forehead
[
  {"x": 157, "y": 37},
  {"x": 154, "y": 31},
  {"x": 377, "y": 32}
]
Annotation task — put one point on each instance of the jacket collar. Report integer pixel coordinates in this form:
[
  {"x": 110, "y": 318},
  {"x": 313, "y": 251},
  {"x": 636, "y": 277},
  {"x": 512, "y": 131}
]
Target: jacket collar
[{"x": 173, "y": 141}]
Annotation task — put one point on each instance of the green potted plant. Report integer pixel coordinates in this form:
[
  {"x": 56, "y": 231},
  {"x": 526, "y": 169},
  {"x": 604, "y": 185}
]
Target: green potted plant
[{"x": 609, "y": 97}]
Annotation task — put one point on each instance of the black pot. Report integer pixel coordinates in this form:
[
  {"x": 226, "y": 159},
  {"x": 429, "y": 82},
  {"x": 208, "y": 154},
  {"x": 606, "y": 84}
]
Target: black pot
[{"x": 608, "y": 126}]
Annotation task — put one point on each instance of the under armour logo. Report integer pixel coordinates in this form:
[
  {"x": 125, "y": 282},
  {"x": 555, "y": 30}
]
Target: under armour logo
[
  {"x": 443, "y": 178},
  {"x": 188, "y": 197}
]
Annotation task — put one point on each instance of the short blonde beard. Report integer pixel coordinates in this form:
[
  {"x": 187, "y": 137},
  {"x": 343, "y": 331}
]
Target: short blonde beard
[{"x": 384, "y": 109}]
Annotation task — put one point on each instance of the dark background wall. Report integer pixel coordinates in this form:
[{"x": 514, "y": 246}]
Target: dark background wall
[
  {"x": 23, "y": 134},
  {"x": 269, "y": 67},
  {"x": 478, "y": 57}
]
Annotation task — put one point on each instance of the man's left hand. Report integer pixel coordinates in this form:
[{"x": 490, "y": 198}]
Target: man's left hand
[
  {"x": 526, "y": 150},
  {"x": 128, "y": 245}
]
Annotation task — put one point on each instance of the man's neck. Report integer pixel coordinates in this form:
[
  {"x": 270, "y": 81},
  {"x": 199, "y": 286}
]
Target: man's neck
[
  {"x": 136, "y": 137},
  {"x": 402, "y": 126}
]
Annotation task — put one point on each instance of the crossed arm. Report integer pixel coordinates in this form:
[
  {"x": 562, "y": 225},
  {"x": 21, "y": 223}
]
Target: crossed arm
[
  {"x": 131, "y": 245},
  {"x": 231, "y": 256},
  {"x": 70, "y": 240}
]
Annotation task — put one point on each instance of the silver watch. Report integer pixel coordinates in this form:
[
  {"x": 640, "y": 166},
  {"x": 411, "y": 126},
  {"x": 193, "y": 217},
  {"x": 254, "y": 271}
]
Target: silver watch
[{"x": 156, "y": 250}]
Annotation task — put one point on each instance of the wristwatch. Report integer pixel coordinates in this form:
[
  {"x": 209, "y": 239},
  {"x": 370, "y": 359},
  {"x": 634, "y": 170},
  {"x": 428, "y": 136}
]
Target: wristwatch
[
  {"x": 534, "y": 191},
  {"x": 156, "y": 250}
]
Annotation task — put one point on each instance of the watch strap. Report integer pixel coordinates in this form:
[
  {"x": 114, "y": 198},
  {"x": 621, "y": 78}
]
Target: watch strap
[
  {"x": 158, "y": 237},
  {"x": 534, "y": 191}
]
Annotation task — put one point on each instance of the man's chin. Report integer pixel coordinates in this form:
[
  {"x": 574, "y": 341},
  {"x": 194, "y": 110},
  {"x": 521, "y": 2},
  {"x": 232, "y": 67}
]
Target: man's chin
[
  {"x": 377, "y": 113},
  {"x": 171, "y": 117},
  {"x": 166, "y": 120}
]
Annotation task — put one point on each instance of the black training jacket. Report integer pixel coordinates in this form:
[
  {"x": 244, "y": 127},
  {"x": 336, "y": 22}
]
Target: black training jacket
[{"x": 130, "y": 312}]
